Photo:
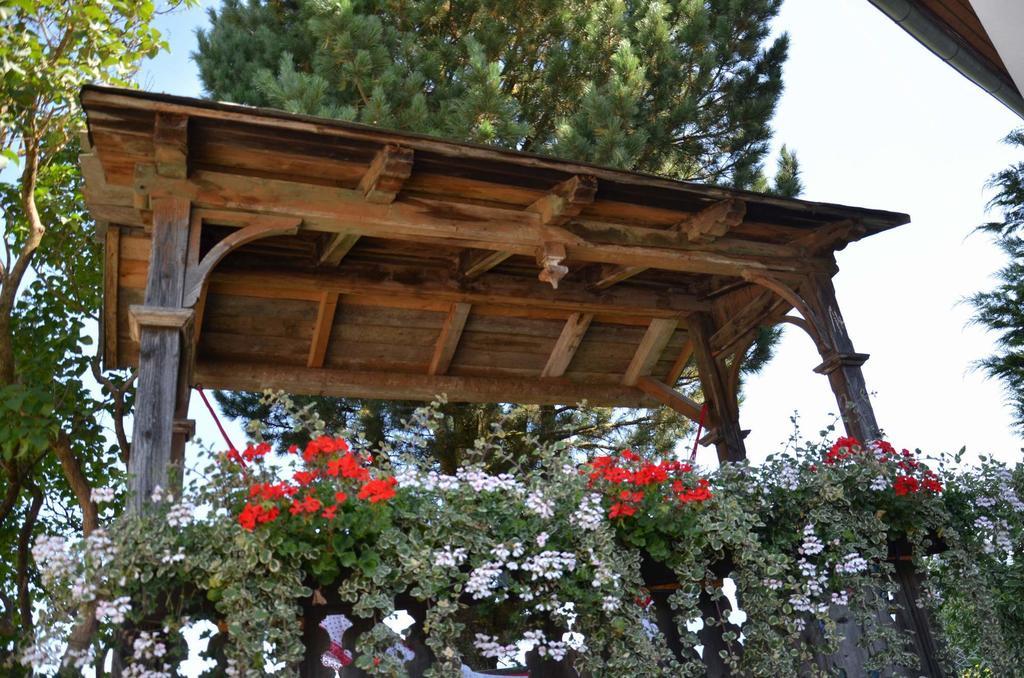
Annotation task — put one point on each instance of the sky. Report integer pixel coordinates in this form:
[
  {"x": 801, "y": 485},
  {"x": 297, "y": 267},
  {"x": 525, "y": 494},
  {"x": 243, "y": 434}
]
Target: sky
[{"x": 876, "y": 121}]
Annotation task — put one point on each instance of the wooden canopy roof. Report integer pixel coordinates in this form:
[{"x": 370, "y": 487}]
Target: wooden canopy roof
[{"x": 332, "y": 258}]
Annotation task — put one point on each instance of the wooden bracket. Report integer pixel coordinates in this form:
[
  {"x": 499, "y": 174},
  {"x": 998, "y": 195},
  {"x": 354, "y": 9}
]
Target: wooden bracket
[
  {"x": 669, "y": 397},
  {"x": 260, "y": 227},
  {"x": 550, "y": 257},
  {"x": 837, "y": 360},
  {"x": 701, "y": 228},
  {"x": 186, "y": 426},
  {"x": 713, "y": 222},
  {"x": 390, "y": 168},
  {"x": 565, "y": 201},
  {"x": 140, "y": 316}
]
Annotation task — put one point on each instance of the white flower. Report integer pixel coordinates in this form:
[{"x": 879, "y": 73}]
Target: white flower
[
  {"x": 103, "y": 495},
  {"x": 483, "y": 580},
  {"x": 590, "y": 515},
  {"x": 610, "y": 603},
  {"x": 449, "y": 557},
  {"x": 542, "y": 539},
  {"x": 181, "y": 515},
  {"x": 879, "y": 483},
  {"x": 488, "y": 646},
  {"x": 852, "y": 563},
  {"x": 811, "y": 545},
  {"x": 536, "y": 503},
  {"x": 113, "y": 611}
]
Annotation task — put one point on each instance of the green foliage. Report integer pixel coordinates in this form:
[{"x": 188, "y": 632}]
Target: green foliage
[
  {"x": 1000, "y": 309},
  {"x": 804, "y": 537},
  {"x": 53, "y": 444}
]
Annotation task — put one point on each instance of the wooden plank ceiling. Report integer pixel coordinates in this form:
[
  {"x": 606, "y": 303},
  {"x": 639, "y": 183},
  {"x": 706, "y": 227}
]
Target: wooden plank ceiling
[{"x": 422, "y": 266}]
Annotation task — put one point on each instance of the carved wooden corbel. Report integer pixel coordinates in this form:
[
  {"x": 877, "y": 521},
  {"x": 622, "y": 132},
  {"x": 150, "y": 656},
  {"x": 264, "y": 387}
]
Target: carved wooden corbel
[{"x": 550, "y": 257}]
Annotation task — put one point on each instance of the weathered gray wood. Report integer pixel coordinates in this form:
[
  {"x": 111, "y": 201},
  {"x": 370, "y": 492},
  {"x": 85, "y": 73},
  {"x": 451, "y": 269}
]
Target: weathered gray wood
[
  {"x": 159, "y": 356},
  {"x": 723, "y": 404},
  {"x": 841, "y": 363}
]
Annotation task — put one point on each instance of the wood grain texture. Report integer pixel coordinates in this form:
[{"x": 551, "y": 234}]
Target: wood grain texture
[
  {"x": 111, "y": 260},
  {"x": 322, "y": 329},
  {"x": 650, "y": 349},
  {"x": 669, "y": 397},
  {"x": 568, "y": 343},
  {"x": 393, "y": 386},
  {"x": 448, "y": 341}
]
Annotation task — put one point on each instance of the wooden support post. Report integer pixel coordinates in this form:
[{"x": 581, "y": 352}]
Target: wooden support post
[
  {"x": 158, "y": 398},
  {"x": 842, "y": 365},
  {"x": 723, "y": 403},
  {"x": 840, "y": 362},
  {"x": 568, "y": 343}
]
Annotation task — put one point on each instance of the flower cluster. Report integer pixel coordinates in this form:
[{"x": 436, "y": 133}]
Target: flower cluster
[
  {"x": 910, "y": 475},
  {"x": 627, "y": 479},
  {"x": 316, "y": 491}
]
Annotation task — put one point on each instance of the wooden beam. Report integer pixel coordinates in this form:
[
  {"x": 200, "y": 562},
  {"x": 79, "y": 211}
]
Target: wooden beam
[
  {"x": 111, "y": 261},
  {"x": 391, "y": 386},
  {"x": 680, "y": 364},
  {"x": 322, "y": 329},
  {"x": 433, "y": 286},
  {"x": 551, "y": 258},
  {"x": 425, "y": 220},
  {"x": 650, "y": 349},
  {"x": 448, "y": 341},
  {"x": 703, "y": 228},
  {"x": 390, "y": 168},
  {"x": 170, "y": 145},
  {"x": 568, "y": 342},
  {"x": 669, "y": 397}
]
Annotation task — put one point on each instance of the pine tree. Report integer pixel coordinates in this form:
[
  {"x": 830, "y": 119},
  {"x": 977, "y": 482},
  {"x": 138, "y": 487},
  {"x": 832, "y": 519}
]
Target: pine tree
[
  {"x": 1002, "y": 309},
  {"x": 681, "y": 88}
]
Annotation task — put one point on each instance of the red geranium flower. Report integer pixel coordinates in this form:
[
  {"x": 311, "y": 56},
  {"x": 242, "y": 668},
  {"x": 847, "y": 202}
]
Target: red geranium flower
[
  {"x": 378, "y": 490},
  {"x": 621, "y": 509},
  {"x": 905, "y": 485}
]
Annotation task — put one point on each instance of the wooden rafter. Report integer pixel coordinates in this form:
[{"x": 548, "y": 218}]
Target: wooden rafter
[
  {"x": 473, "y": 264},
  {"x": 568, "y": 342},
  {"x": 703, "y": 228},
  {"x": 390, "y": 168},
  {"x": 448, "y": 340},
  {"x": 650, "y": 349},
  {"x": 322, "y": 329},
  {"x": 676, "y": 371},
  {"x": 669, "y": 397},
  {"x": 380, "y": 185}
]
